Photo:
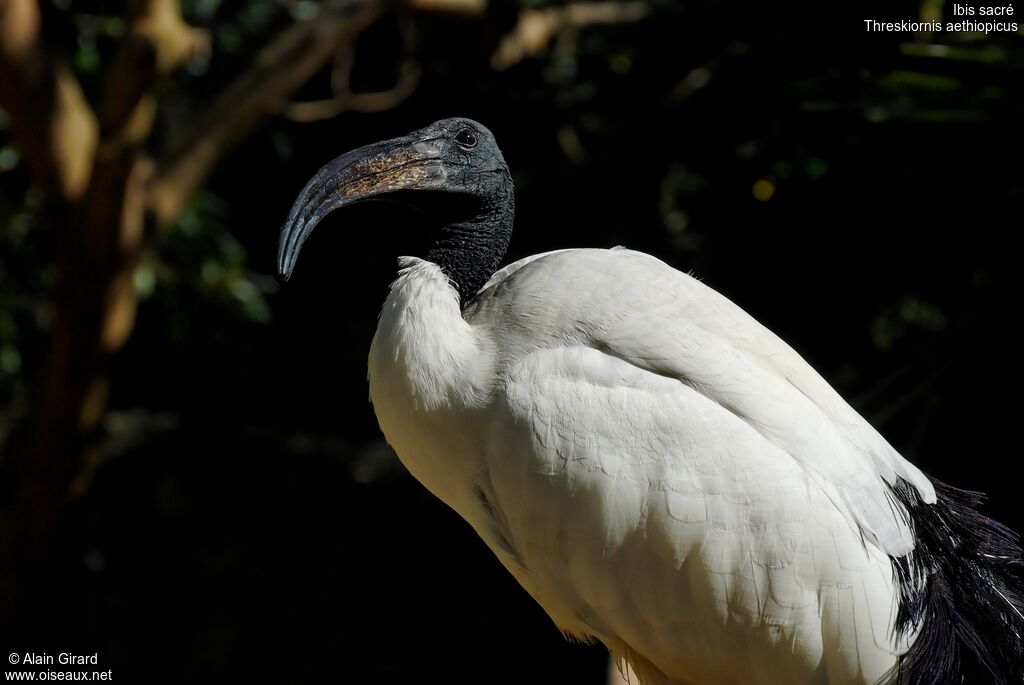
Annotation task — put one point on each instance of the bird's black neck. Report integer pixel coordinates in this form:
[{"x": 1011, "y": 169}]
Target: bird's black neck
[{"x": 470, "y": 251}]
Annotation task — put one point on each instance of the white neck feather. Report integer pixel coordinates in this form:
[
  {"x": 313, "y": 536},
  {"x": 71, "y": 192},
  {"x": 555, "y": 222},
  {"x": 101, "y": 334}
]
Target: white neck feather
[{"x": 427, "y": 366}]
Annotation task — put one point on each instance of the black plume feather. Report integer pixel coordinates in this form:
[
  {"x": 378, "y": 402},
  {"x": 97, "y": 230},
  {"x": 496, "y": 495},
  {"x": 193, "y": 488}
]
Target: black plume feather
[{"x": 961, "y": 590}]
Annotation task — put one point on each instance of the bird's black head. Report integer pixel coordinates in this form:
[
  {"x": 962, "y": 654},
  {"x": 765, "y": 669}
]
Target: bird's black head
[{"x": 452, "y": 170}]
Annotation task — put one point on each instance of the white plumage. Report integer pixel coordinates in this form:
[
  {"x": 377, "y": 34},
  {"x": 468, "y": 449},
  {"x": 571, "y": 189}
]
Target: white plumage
[
  {"x": 696, "y": 496},
  {"x": 658, "y": 470}
]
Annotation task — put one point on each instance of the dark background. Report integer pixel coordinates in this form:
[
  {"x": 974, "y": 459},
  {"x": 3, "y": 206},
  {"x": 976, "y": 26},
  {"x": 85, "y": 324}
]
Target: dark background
[{"x": 247, "y": 519}]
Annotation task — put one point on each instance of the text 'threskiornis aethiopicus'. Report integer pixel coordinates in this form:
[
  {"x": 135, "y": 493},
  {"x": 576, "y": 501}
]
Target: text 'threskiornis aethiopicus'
[{"x": 658, "y": 470}]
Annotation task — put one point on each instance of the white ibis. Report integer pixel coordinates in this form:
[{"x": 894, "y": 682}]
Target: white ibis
[{"x": 658, "y": 470}]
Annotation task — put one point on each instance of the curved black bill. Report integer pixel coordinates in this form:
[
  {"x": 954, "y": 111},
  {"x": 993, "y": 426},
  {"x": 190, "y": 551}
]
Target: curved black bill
[{"x": 406, "y": 163}]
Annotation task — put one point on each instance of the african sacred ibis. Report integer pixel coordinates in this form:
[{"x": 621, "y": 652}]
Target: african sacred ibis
[{"x": 658, "y": 470}]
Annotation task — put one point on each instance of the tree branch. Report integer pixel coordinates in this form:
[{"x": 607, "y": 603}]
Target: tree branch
[
  {"x": 157, "y": 43},
  {"x": 54, "y": 128},
  {"x": 277, "y": 73},
  {"x": 345, "y": 99},
  {"x": 349, "y": 101},
  {"x": 465, "y": 8},
  {"x": 536, "y": 28}
]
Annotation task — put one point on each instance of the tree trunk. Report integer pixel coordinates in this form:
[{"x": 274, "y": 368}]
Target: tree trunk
[{"x": 107, "y": 201}]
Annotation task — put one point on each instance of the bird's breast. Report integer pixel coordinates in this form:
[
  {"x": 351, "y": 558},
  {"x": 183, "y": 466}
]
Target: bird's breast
[{"x": 428, "y": 371}]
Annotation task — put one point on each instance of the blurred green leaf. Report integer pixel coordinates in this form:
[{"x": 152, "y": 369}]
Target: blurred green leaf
[
  {"x": 918, "y": 79},
  {"x": 988, "y": 54}
]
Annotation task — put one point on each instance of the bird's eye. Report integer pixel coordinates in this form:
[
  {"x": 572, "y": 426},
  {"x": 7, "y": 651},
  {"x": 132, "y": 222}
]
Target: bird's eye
[{"x": 466, "y": 139}]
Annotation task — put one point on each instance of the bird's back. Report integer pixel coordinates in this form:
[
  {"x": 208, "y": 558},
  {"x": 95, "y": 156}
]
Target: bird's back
[{"x": 648, "y": 497}]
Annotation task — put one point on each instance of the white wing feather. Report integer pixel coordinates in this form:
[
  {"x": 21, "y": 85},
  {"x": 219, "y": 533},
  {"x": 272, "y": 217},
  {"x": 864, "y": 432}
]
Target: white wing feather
[
  {"x": 640, "y": 512},
  {"x": 637, "y": 308}
]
